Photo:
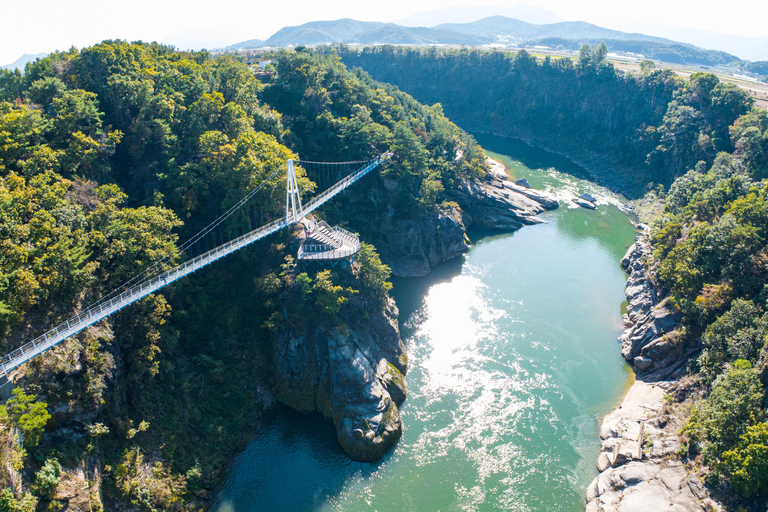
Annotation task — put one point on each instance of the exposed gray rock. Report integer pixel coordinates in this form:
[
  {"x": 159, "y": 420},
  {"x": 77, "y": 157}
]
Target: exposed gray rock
[
  {"x": 496, "y": 209},
  {"x": 413, "y": 242},
  {"x": 352, "y": 374},
  {"x": 588, "y": 197},
  {"x": 523, "y": 183},
  {"x": 640, "y": 469},
  {"x": 412, "y": 247},
  {"x": 583, "y": 203},
  {"x": 544, "y": 199},
  {"x": 646, "y": 341}
]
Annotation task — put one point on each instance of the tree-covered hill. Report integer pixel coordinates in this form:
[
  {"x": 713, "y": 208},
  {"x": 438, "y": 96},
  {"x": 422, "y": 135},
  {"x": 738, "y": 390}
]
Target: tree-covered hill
[
  {"x": 108, "y": 157},
  {"x": 630, "y": 129}
]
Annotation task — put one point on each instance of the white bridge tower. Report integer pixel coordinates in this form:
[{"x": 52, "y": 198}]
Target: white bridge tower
[{"x": 293, "y": 211}]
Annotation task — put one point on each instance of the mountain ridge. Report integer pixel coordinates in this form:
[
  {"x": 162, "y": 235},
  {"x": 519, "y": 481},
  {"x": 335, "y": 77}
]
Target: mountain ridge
[{"x": 567, "y": 35}]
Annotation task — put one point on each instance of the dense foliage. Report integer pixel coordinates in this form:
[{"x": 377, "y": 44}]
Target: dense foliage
[
  {"x": 108, "y": 156},
  {"x": 710, "y": 256},
  {"x": 631, "y": 128}
]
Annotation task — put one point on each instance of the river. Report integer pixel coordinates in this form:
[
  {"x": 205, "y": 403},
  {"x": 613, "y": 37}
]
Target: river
[{"x": 513, "y": 359}]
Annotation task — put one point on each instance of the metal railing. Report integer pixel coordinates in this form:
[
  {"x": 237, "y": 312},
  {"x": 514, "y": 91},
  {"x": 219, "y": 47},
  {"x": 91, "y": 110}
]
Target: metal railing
[
  {"x": 102, "y": 310},
  {"x": 350, "y": 244}
]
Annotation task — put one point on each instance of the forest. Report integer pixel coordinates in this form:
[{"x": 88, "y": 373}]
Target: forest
[
  {"x": 112, "y": 155},
  {"x": 698, "y": 149},
  {"x": 629, "y": 129}
]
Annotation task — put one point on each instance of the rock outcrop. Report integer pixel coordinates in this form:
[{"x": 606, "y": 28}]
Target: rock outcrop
[
  {"x": 648, "y": 341},
  {"x": 412, "y": 243},
  {"x": 638, "y": 463},
  {"x": 496, "y": 206},
  {"x": 352, "y": 374},
  {"x": 640, "y": 469},
  {"x": 412, "y": 247}
]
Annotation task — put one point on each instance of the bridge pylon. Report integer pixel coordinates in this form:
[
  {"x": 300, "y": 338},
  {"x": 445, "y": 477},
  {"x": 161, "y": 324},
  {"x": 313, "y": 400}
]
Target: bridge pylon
[{"x": 293, "y": 209}]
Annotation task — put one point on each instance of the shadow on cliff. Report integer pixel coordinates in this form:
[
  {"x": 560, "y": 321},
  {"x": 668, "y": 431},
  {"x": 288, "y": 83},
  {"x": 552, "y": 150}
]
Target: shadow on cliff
[{"x": 295, "y": 463}]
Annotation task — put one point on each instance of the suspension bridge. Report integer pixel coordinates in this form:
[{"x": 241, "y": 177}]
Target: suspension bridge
[{"x": 257, "y": 215}]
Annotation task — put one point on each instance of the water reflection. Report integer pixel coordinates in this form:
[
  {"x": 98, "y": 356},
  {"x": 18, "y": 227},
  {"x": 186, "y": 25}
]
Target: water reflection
[
  {"x": 409, "y": 292},
  {"x": 294, "y": 464},
  {"x": 513, "y": 355},
  {"x": 530, "y": 156}
]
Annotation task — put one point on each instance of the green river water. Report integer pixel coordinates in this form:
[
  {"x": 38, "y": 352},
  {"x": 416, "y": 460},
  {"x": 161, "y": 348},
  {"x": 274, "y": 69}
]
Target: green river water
[{"x": 513, "y": 359}]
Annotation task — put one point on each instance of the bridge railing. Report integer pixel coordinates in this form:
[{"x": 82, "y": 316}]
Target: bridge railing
[
  {"x": 101, "y": 310},
  {"x": 95, "y": 313}
]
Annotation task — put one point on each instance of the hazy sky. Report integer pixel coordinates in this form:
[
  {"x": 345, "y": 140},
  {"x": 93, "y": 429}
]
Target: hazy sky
[{"x": 37, "y": 26}]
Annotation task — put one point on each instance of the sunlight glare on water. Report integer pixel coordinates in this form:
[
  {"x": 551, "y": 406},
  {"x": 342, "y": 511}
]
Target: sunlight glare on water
[{"x": 513, "y": 356}]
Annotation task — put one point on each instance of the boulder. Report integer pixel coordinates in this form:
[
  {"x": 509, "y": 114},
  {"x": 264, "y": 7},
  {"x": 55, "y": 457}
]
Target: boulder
[
  {"x": 587, "y": 197},
  {"x": 523, "y": 183},
  {"x": 583, "y": 203},
  {"x": 544, "y": 199}
]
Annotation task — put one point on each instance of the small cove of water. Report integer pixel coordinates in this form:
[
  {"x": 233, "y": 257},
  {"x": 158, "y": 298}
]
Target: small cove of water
[{"x": 513, "y": 358}]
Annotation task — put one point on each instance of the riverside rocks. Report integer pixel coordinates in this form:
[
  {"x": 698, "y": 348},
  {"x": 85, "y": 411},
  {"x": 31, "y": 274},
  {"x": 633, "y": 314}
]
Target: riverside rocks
[
  {"x": 640, "y": 469},
  {"x": 584, "y": 203},
  {"x": 647, "y": 341},
  {"x": 352, "y": 374},
  {"x": 413, "y": 244}
]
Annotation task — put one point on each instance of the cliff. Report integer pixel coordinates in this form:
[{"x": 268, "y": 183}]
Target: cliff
[
  {"x": 352, "y": 373},
  {"x": 639, "y": 462},
  {"x": 412, "y": 243}
]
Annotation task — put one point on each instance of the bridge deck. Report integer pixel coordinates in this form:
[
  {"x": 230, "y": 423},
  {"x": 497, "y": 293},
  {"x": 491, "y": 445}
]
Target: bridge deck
[{"x": 102, "y": 310}]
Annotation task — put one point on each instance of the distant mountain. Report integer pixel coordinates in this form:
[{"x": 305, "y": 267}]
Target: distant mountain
[
  {"x": 508, "y": 29},
  {"x": 493, "y": 29},
  {"x": 523, "y": 12},
  {"x": 251, "y": 43},
  {"x": 21, "y": 62},
  {"x": 749, "y": 48},
  {"x": 369, "y": 32}
]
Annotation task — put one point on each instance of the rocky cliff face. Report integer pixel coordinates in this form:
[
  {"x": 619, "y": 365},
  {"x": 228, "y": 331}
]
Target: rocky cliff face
[
  {"x": 412, "y": 244},
  {"x": 640, "y": 469},
  {"x": 352, "y": 374},
  {"x": 647, "y": 341}
]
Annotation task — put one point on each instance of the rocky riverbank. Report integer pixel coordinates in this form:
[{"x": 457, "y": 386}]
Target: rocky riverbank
[
  {"x": 354, "y": 373},
  {"x": 640, "y": 469},
  {"x": 412, "y": 244}
]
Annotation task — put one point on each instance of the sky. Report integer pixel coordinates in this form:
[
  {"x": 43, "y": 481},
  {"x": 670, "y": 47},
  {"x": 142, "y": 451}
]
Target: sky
[{"x": 42, "y": 26}]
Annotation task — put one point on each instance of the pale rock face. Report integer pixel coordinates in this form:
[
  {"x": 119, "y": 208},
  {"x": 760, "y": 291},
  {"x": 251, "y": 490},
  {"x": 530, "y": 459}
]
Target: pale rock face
[
  {"x": 640, "y": 470},
  {"x": 644, "y": 342}
]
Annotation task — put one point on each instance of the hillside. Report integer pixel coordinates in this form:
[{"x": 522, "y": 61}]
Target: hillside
[
  {"x": 569, "y": 35},
  {"x": 113, "y": 154}
]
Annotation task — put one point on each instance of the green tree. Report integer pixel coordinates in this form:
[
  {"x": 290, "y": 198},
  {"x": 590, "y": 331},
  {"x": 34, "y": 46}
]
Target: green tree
[
  {"x": 9, "y": 502},
  {"x": 371, "y": 272},
  {"x": 47, "y": 479},
  {"x": 733, "y": 405},
  {"x": 745, "y": 466},
  {"x": 328, "y": 297},
  {"x": 29, "y": 415}
]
